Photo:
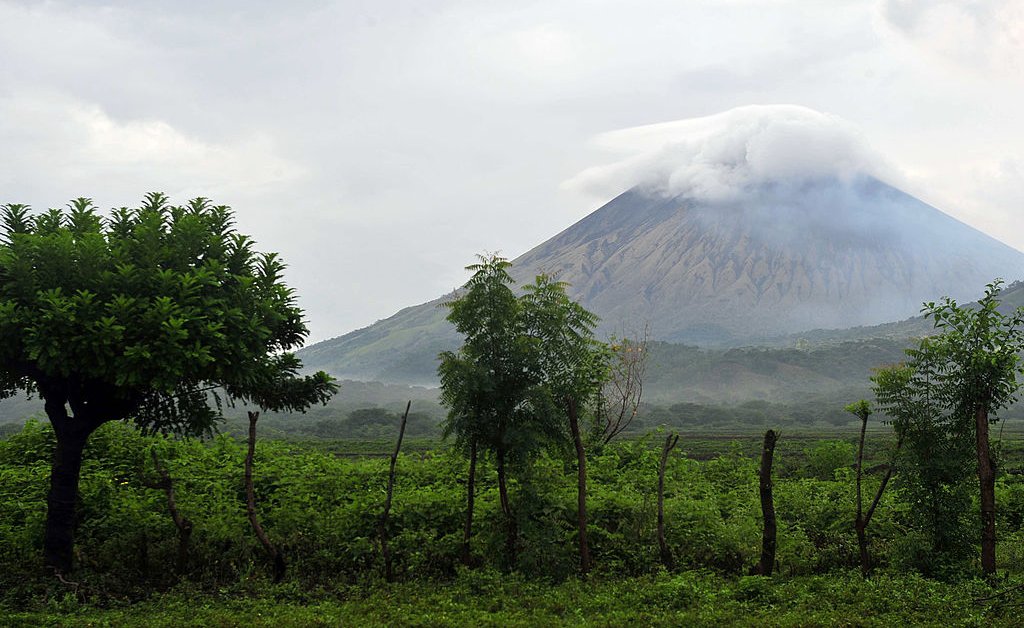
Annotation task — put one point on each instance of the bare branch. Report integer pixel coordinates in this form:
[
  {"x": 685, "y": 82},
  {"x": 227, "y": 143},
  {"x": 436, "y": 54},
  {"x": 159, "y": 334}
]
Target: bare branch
[{"x": 621, "y": 396}]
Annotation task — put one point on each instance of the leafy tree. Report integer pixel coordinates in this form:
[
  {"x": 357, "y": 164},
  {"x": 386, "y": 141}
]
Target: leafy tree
[
  {"x": 141, "y": 316},
  {"x": 572, "y": 368},
  {"x": 485, "y": 383},
  {"x": 944, "y": 398},
  {"x": 979, "y": 351},
  {"x": 933, "y": 467},
  {"x": 527, "y": 369}
]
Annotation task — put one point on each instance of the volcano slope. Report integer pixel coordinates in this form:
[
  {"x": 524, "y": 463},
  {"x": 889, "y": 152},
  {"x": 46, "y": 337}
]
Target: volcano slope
[{"x": 780, "y": 259}]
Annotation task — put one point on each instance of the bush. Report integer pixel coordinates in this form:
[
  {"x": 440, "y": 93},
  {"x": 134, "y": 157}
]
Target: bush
[{"x": 323, "y": 511}]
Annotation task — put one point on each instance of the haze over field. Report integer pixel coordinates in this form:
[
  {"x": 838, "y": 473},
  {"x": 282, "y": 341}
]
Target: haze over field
[{"x": 379, "y": 146}]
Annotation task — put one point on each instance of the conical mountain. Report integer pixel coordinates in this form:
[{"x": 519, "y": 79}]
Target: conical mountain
[{"x": 780, "y": 258}]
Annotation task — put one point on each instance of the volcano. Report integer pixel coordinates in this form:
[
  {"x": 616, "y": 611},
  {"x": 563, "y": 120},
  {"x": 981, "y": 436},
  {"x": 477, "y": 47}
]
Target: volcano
[{"x": 780, "y": 258}]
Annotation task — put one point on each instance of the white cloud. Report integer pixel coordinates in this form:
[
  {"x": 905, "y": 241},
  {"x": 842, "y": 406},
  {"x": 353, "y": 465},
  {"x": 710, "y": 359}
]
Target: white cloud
[
  {"x": 719, "y": 156},
  {"x": 66, "y": 146},
  {"x": 976, "y": 35},
  {"x": 344, "y": 131}
]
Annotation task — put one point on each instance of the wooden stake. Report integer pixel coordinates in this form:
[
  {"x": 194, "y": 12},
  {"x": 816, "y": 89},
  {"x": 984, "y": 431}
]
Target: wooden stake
[
  {"x": 382, "y": 528},
  {"x": 768, "y": 534}
]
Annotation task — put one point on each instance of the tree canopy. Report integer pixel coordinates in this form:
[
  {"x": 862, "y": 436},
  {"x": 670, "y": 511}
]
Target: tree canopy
[
  {"x": 942, "y": 399},
  {"x": 145, "y": 314},
  {"x": 528, "y": 368}
]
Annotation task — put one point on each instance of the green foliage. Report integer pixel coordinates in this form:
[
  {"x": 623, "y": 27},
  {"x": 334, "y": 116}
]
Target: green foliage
[
  {"x": 860, "y": 409},
  {"x": 323, "y": 511},
  {"x": 933, "y": 399},
  {"x": 489, "y": 598},
  {"x": 485, "y": 383},
  {"x": 570, "y": 363},
  {"x": 524, "y": 364},
  {"x": 140, "y": 313},
  {"x": 824, "y": 458},
  {"x": 978, "y": 353},
  {"x": 934, "y": 469},
  {"x": 151, "y": 314}
]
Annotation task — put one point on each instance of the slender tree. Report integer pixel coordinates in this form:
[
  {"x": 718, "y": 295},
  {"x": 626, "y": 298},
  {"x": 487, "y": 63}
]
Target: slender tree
[
  {"x": 462, "y": 393},
  {"x": 139, "y": 316},
  {"x": 571, "y": 367},
  {"x": 183, "y": 524},
  {"x": 250, "y": 504},
  {"x": 485, "y": 383},
  {"x": 933, "y": 468},
  {"x": 862, "y": 410},
  {"x": 666, "y": 554},
  {"x": 623, "y": 389},
  {"x": 980, "y": 352},
  {"x": 382, "y": 526}
]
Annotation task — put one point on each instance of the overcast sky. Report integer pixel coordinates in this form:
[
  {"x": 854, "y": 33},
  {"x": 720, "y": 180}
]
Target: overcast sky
[{"x": 379, "y": 145}]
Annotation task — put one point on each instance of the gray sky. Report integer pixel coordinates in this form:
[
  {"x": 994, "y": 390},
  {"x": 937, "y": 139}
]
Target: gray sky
[{"x": 379, "y": 145}]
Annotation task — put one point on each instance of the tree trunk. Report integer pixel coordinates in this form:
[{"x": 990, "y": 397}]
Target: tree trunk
[
  {"x": 862, "y": 546},
  {"x": 183, "y": 524},
  {"x": 470, "y": 497},
  {"x": 506, "y": 508},
  {"x": 250, "y": 504},
  {"x": 666, "y": 553},
  {"x": 72, "y": 434},
  {"x": 383, "y": 528},
  {"x": 863, "y": 519},
  {"x": 581, "y": 486},
  {"x": 987, "y": 479},
  {"x": 767, "y": 563}
]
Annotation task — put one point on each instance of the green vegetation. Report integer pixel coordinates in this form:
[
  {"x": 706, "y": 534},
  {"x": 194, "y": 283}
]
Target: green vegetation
[
  {"x": 528, "y": 371},
  {"x": 322, "y": 510},
  {"x": 942, "y": 401},
  {"x": 138, "y": 316},
  {"x": 488, "y": 598},
  {"x": 554, "y": 522}
]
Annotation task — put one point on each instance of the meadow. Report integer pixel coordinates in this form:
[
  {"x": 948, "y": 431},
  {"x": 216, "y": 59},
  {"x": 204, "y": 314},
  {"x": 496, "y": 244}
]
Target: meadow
[{"x": 321, "y": 502}]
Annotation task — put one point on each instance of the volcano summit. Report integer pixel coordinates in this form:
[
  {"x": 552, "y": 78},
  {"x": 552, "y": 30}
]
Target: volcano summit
[
  {"x": 734, "y": 228},
  {"x": 783, "y": 257}
]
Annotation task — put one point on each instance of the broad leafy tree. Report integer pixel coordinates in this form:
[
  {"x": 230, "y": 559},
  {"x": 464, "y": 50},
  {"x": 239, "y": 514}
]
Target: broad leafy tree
[{"x": 147, "y": 315}]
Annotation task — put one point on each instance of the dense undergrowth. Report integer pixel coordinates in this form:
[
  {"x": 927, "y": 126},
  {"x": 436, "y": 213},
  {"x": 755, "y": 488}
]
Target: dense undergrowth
[
  {"x": 489, "y": 598},
  {"x": 323, "y": 510}
]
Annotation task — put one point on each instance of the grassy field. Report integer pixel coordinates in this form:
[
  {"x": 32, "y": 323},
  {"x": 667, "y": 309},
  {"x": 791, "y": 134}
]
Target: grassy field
[{"x": 488, "y": 598}]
